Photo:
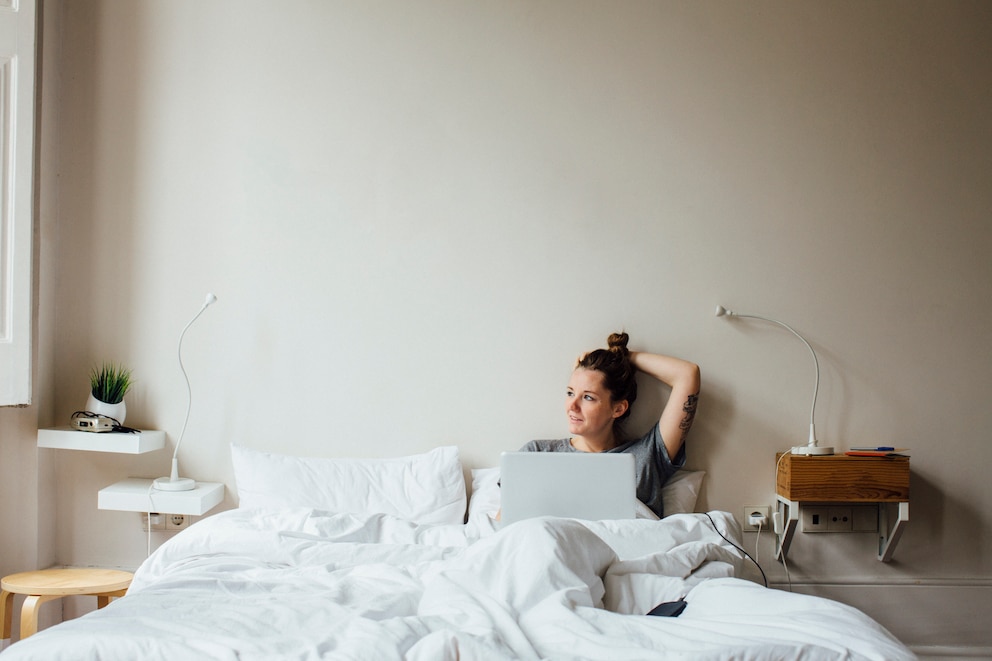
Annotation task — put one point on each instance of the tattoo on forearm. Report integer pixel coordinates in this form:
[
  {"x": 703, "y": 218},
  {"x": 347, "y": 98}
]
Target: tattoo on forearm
[{"x": 690, "y": 414}]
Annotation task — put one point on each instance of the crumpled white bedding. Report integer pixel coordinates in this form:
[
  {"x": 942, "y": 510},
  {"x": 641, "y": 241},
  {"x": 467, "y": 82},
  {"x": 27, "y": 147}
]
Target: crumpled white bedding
[{"x": 306, "y": 584}]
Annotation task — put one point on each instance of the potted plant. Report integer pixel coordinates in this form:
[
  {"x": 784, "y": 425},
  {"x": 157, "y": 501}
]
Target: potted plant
[{"x": 108, "y": 385}]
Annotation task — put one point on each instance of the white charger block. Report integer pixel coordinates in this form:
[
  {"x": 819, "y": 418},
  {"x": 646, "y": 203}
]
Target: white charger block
[{"x": 137, "y": 495}]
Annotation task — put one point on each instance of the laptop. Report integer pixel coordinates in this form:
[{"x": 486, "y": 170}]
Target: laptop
[{"x": 576, "y": 485}]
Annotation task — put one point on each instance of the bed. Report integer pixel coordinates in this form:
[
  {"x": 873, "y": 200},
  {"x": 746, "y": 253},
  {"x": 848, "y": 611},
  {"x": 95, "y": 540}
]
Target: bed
[{"x": 390, "y": 559}]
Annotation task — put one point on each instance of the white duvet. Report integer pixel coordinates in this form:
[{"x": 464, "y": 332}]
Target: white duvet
[{"x": 305, "y": 584}]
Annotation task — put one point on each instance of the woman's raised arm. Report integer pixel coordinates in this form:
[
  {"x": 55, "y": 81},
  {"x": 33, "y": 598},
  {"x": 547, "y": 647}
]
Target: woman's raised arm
[{"x": 683, "y": 378}]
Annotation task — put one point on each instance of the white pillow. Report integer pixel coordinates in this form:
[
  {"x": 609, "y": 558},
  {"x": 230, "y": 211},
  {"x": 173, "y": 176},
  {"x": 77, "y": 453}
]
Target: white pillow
[
  {"x": 425, "y": 488},
  {"x": 485, "y": 491},
  {"x": 679, "y": 493}
]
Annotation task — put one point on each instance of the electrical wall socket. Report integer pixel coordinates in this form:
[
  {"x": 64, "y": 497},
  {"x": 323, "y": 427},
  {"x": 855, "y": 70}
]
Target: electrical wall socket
[
  {"x": 839, "y": 519},
  {"x": 814, "y": 519},
  {"x": 164, "y": 522},
  {"x": 176, "y": 521},
  {"x": 763, "y": 510},
  {"x": 850, "y": 518}
]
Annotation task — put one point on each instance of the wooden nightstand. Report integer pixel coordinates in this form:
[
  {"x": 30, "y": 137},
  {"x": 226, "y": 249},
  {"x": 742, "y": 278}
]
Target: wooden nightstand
[{"x": 801, "y": 479}]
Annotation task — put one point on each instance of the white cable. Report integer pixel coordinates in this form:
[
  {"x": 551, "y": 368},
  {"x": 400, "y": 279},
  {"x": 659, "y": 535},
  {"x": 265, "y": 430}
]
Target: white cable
[
  {"x": 781, "y": 553},
  {"x": 148, "y": 520},
  {"x": 788, "y": 576},
  {"x": 757, "y": 538}
]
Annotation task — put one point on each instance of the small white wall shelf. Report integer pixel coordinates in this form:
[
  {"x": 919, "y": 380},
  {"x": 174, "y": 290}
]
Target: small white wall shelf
[
  {"x": 67, "y": 438},
  {"x": 137, "y": 495}
]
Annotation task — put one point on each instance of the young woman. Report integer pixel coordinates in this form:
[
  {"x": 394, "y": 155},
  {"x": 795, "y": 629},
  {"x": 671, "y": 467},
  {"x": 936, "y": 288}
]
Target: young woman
[{"x": 599, "y": 397}]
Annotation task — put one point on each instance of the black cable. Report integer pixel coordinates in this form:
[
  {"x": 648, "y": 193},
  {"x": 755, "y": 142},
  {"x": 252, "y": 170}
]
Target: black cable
[
  {"x": 748, "y": 555},
  {"x": 126, "y": 430}
]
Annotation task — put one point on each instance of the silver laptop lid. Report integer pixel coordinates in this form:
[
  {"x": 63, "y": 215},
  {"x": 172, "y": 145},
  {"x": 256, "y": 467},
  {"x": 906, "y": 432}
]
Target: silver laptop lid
[{"x": 579, "y": 485}]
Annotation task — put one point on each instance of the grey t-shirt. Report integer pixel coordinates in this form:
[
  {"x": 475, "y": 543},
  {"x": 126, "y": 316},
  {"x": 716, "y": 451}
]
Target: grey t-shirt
[{"x": 651, "y": 461}]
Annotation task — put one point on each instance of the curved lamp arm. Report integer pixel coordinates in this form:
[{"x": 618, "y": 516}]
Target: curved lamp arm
[
  {"x": 174, "y": 482},
  {"x": 812, "y": 446}
]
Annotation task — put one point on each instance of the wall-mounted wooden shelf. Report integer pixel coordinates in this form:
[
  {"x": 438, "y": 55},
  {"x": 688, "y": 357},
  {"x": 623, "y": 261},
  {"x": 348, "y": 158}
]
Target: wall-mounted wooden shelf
[
  {"x": 67, "y": 438},
  {"x": 801, "y": 479}
]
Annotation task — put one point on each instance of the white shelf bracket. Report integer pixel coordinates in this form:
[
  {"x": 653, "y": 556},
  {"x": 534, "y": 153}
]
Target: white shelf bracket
[
  {"x": 790, "y": 519},
  {"x": 888, "y": 538}
]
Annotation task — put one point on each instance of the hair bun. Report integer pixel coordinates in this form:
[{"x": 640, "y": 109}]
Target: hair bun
[
  {"x": 617, "y": 370},
  {"x": 618, "y": 342}
]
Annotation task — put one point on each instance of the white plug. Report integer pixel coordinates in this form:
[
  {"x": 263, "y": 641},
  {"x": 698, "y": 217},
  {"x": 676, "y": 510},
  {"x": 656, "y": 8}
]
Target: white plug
[{"x": 757, "y": 519}]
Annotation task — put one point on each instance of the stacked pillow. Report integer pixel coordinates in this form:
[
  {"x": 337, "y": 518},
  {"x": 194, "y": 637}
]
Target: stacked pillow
[{"x": 426, "y": 488}]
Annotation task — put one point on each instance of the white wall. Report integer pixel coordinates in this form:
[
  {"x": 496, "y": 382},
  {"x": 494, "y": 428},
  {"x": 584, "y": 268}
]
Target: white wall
[{"x": 416, "y": 215}]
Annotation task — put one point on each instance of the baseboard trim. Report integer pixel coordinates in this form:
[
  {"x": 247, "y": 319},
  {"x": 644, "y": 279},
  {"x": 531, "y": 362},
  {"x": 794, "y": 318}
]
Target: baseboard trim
[
  {"x": 899, "y": 582},
  {"x": 920, "y": 612},
  {"x": 951, "y": 653}
]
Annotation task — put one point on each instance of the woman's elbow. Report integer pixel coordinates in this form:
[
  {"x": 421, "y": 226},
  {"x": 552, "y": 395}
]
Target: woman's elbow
[{"x": 693, "y": 377}]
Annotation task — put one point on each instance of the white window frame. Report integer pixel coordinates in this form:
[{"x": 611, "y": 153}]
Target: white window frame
[{"x": 17, "y": 99}]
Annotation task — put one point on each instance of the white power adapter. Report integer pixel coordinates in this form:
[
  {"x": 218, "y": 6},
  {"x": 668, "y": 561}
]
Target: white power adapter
[
  {"x": 754, "y": 518},
  {"x": 757, "y": 519}
]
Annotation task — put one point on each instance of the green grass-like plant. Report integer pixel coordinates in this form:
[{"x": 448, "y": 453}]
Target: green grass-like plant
[{"x": 109, "y": 382}]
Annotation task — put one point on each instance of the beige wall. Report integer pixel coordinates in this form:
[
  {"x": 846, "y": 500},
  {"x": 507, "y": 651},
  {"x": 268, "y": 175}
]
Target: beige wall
[
  {"x": 27, "y": 474},
  {"x": 416, "y": 215}
]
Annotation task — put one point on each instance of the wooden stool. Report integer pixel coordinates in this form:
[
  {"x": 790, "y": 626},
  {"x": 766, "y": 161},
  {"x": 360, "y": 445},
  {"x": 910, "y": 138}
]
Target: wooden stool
[{"x": 47, "y": 584}]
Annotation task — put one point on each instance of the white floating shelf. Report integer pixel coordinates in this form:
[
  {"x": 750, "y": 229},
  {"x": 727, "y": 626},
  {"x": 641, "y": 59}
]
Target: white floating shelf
[
  {"x": 67, "y": 438},
  {"x": 137, "y": 495}
]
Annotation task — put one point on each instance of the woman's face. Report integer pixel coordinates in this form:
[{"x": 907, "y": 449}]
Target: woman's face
[{"x": 588, "y": 406}]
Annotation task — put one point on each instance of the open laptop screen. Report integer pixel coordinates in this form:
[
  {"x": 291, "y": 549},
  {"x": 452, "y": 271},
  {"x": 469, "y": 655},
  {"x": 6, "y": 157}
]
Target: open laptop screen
[{"x": 579, "y": 485}]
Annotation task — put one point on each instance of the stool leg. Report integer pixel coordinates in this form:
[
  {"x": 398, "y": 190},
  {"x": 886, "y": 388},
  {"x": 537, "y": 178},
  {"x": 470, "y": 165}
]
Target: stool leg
[
  {"x": 29, "y": 612},
  {"x": 104, "y": 598},
  {"x": 6, "y": 612}
]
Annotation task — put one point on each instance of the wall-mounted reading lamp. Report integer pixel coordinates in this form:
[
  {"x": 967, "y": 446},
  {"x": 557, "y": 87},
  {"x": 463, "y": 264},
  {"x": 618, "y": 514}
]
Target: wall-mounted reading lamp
[
  {"x": 174, "y": 482},
  {"x": 812, "y": 447}
]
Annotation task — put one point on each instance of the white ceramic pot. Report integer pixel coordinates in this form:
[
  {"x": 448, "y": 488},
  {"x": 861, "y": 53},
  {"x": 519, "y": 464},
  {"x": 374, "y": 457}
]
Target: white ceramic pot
[{"x": 116, "y": 411}]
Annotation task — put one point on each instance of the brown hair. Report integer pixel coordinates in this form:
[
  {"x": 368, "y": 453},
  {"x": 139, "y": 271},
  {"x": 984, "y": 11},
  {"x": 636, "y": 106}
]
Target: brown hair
[{"x": 618, "y": 372}]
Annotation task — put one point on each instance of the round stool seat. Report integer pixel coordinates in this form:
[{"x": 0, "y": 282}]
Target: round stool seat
[
  {"x": 47, "y": 584},
  {"x": 64, "y": 582}
]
